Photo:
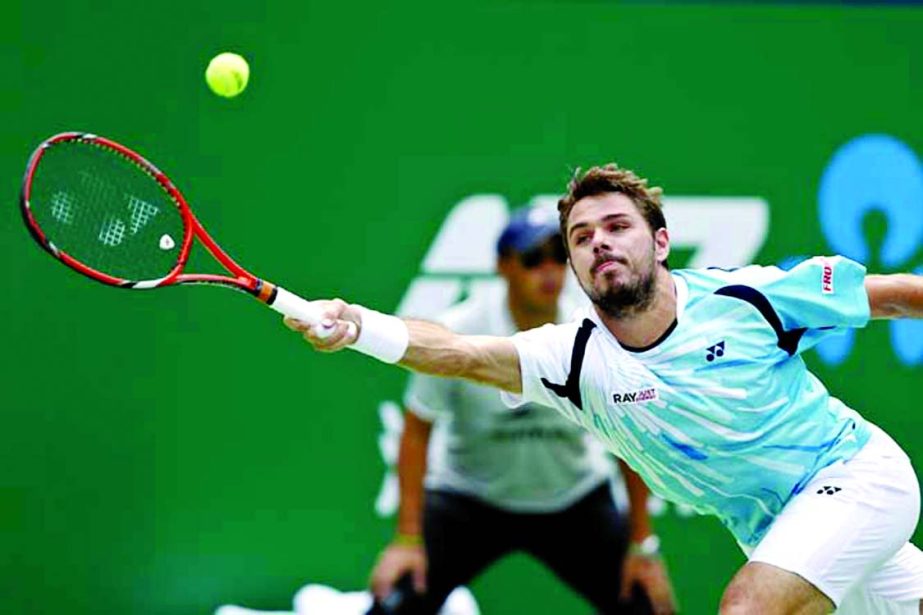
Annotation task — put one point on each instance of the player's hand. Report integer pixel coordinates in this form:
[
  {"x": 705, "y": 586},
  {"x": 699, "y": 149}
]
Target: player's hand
[
  {"x": 339, "y": 326},
  {"x": 650, "y": 574},
  {"x": 393, "y": 563}
]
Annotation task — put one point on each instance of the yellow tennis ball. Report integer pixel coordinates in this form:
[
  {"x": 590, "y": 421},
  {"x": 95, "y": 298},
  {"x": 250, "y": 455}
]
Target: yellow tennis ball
[{"x": 227, "y": 74}]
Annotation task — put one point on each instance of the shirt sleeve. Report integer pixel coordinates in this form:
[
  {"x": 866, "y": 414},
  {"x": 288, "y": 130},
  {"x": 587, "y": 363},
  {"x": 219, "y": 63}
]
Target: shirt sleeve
[
  {"x": 428, "y": 396},
  {"x": 819, "y": 297},
  {"x": 545, "y": 363}
]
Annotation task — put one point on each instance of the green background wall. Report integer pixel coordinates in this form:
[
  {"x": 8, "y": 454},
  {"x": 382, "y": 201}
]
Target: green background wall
[{"x": 166, "y": 452}]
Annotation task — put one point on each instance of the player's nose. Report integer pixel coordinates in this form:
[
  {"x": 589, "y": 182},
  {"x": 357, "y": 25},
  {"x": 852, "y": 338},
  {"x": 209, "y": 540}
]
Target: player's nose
[{"x": 600, "y": 242}]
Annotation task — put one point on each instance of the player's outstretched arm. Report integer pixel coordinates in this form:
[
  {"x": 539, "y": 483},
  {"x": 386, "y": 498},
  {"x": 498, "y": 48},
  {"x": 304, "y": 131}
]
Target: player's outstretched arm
[
  {"x": 486, "y": 359},
  {"x": 897, "y": 295},
  {"x": 421, "y": 346}
]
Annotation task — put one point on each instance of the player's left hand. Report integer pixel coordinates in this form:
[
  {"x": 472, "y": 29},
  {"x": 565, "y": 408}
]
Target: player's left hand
[{"x": 650, "y": 574}]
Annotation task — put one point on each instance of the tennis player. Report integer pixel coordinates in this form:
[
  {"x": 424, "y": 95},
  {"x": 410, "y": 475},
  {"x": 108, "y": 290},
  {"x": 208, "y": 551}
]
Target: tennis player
[
  {"x": 499, "y": 482},
  {"x": 695, "y": 378}
]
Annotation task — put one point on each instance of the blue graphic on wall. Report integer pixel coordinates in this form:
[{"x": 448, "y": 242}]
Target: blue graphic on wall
[{"x": 875, "y": 175}]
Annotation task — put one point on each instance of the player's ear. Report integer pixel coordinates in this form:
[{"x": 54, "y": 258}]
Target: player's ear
[{"x": 661, "y": 244}]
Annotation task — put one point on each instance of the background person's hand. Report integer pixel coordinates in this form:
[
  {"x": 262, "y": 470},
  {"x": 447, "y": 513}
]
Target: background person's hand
[
  {"x": 650, "y": 574},
  {"x": 393, "y": 563}
]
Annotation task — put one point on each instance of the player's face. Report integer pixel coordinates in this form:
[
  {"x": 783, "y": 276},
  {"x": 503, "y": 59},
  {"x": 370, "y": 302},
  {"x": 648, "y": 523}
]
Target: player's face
[
  {"x": 536, "y": 277},
  {"x": 614, "y": 253}
]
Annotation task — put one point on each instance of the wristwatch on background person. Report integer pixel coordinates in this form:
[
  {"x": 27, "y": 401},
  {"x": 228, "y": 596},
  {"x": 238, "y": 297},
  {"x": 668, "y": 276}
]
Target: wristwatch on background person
[{"x": 649, "y": 547}]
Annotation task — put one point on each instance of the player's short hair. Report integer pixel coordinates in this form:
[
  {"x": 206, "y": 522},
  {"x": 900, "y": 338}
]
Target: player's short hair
[{"x": 610, "y": 178}]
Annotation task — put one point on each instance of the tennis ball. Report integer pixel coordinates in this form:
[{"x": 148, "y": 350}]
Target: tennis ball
[{"x": 227, "y": 74}]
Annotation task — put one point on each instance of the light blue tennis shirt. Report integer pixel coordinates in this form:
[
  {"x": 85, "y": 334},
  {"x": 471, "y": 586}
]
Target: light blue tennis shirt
[{"x": 721, "y": 413}]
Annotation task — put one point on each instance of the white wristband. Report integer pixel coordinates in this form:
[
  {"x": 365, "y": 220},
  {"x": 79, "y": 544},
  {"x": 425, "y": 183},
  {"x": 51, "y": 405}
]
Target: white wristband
[{"x": 382, "y": 336}]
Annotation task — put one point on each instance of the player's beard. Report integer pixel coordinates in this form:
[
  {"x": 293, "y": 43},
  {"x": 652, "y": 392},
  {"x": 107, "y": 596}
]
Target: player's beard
[{"x": 630, "y": 298}]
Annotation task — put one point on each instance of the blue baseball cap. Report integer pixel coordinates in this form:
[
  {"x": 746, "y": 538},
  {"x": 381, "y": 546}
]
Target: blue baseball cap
[{"x": 527, "y": 228}]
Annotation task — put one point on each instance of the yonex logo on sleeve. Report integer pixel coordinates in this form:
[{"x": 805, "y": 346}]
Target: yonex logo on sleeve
[
  {"x": 826, "y": 280},
  {"x": 636, "y": 397}
]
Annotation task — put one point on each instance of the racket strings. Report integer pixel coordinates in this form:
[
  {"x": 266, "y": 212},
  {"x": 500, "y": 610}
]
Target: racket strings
[{"x": 106, "y": 211}]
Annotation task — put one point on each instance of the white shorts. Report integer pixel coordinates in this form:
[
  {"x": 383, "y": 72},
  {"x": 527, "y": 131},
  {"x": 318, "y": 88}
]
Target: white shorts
[{"x": 848, "y": 531}]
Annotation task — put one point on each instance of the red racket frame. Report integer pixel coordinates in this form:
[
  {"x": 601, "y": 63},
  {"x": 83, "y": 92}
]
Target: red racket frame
[{"x": 192, "y": 228}]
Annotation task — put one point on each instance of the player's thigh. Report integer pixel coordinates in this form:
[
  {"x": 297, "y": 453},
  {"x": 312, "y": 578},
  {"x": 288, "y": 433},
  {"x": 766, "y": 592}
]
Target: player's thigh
[
  {"x": 847, "y": 522},
  {"x": 584, "y": 545},
  {"x": 764, "y": 589}
]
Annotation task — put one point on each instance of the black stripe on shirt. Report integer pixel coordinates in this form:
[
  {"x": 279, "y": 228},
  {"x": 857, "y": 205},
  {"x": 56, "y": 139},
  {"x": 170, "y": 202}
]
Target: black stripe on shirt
[
  {"x": 571, "y": 388},
  {"x": 787, "y": 340}
]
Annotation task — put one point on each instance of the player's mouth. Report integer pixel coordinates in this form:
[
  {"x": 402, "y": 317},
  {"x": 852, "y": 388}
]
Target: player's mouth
[{"x": 604, "y": 264}]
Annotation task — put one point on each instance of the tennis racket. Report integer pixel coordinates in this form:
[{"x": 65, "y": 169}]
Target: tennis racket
[{"x": 106, "y": 212}]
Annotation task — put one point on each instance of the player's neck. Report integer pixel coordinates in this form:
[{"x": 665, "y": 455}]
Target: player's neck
[
  {"x": 643, "y": 328},
  {"x": 527, "y": 317}
]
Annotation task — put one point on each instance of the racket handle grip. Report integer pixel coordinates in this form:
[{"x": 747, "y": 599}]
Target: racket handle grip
[{"x": 293, "y": 306}]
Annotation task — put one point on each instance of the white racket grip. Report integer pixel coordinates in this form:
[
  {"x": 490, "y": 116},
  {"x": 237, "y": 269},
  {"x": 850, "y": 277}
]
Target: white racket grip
[{"x": 293, "y": 306}]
